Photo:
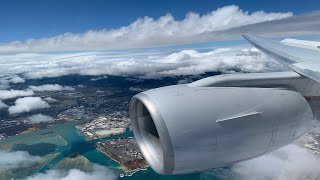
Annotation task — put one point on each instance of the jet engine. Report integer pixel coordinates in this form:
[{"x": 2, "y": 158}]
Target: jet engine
[{"x": 183, "y": 129}]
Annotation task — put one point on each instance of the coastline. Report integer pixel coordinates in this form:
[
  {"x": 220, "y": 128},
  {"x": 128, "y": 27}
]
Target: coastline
[{"x": 129, "y": 166}]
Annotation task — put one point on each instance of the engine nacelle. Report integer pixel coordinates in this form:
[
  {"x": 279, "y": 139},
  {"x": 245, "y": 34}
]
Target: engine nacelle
[{"x": 183, "y": 129}]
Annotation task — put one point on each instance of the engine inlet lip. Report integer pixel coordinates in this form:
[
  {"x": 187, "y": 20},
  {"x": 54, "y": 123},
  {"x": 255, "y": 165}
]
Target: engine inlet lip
[{"x": 167, "y": 164}]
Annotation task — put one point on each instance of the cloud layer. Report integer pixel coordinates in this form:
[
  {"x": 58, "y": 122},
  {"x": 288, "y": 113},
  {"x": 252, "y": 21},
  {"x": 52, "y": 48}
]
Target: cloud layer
[
  {"x": 27, "y": 104},
  {"x": 51, "y": 87},
  {"x": 289, "y": 163},
  {"x": 146, "y": 64},
  {"x": 16, "y": 159},
  {"x": 8, "y": 94},
  {"x": 149, "y": 32},
  {"x": 99, "y": 172}
]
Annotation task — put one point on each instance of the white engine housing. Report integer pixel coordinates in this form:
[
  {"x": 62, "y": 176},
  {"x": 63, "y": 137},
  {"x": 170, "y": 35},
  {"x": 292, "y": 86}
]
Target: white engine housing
[{"x": 184, "y": 129}]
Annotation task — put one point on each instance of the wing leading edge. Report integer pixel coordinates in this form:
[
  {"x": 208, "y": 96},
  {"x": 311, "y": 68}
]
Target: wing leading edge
[{"x": 303, "y": 61}]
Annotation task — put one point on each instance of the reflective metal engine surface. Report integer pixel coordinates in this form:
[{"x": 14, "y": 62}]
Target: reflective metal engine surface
[{"x": 183, "y": 129}]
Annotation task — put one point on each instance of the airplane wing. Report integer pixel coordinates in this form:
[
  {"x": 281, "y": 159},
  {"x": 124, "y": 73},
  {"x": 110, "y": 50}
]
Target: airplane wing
[
  {"x": 302, "y": 43},
  {"x": 302, "y": 60}
]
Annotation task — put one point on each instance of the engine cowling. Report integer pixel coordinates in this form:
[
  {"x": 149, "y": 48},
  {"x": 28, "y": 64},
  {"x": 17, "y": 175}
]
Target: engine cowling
[{"x": 183, "y": 129}]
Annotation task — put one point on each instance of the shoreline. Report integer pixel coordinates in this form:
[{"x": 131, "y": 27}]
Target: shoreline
[{"x": 127, "y": 168}]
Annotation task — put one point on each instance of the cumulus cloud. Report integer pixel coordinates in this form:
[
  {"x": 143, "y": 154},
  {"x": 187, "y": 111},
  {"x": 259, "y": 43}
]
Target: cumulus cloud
[
  {"x": 8, "y": 94},
  {"x": 289, "y": 163},
  {"x": 27, "y": 104},
  {"x": 16, "y": 79},
  {"x": 99, "y": 172},
  {"x": 3, "y": 105},
  {"x": 149, "y": 32},
  {"x": 51, "y": 87},
  {"x": 40, "y": 118},
  {"x": 6, "y": 80},
  {"x": 16, "y": 159},
  {"x": 11, "y": 79}
]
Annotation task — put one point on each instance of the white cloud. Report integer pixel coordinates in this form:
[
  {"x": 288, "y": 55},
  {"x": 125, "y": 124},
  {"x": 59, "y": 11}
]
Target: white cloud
[
  {"x": 8, "y": 94},
  {"x": 51, "y": 87},
  {"x": 27, "y": 104},
  {"x": 11, "y": 79},
  {"x": 2, "y": 105},
  {"x": 39, "y": 118},
  {"x": 16, "y": 159},
  {"x": 148, "y": 32},
  {"x": 6, "y": 80},
  {"x": 99, "y": 172},
  {"x": 99, "y": 78},
  {"x": 289, "y": 163},
  {"x": 16, "y": 79},
  {"x": 137, "y": 89},
  {"x": 50, "y": 99},
  {"x": 146, "y": 63}
]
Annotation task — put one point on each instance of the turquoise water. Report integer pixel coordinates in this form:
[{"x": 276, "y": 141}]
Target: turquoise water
[{"x": 76, "y": 143}]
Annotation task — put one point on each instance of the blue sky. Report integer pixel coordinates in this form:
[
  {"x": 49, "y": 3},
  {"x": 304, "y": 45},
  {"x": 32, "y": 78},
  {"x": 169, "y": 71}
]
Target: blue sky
[
  {"x": 78, "y": 25},
  {"x": 20, "y": 20}
]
